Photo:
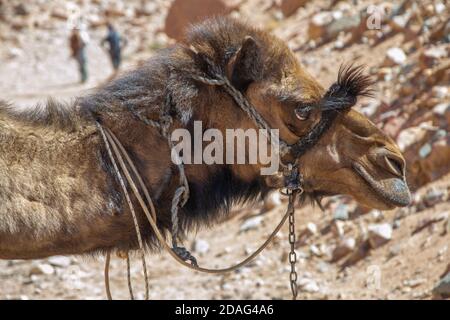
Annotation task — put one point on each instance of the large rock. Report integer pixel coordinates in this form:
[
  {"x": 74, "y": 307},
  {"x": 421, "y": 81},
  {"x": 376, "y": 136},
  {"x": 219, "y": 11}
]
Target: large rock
[
  {"x": 183, "y": 13},
  {"x": 289, "y": 7}
]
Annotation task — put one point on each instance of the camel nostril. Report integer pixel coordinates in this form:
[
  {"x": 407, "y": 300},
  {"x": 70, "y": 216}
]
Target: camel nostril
[{"x": 395, "y": 166}]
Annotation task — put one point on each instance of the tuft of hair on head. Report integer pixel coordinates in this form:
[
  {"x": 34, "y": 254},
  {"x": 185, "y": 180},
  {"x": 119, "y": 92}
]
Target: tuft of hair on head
[{"x": 352, "y": 83}]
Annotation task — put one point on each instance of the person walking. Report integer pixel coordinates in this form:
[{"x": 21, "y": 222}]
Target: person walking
[
  {"x": 78, "y": 42},
  {"x": 116, "y": 43}
]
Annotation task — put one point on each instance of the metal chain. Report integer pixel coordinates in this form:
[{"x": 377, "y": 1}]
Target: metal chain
[{"x": 292, "y": 254}]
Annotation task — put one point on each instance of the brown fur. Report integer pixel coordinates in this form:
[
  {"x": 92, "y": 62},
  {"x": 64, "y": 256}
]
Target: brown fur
[{"x": 59, "y": 195}]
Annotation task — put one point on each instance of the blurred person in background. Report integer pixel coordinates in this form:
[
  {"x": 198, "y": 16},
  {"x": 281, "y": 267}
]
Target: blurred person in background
[
  {"x": 78, "y": 42},
  {"x": 115, "y": 45}
]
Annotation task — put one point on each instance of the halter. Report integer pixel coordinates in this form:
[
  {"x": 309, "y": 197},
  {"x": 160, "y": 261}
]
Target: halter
[{"x": 341, "y": 96}]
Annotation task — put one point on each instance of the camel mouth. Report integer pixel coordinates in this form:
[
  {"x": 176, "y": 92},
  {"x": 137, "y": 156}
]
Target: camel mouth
[{"x": 393, "y": 191}]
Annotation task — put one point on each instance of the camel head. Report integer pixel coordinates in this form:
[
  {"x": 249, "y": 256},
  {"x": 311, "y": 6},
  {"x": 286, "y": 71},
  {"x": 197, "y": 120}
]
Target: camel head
[
  {"x": 356, "y": 158},
  {"x": 352, "y": 156}
]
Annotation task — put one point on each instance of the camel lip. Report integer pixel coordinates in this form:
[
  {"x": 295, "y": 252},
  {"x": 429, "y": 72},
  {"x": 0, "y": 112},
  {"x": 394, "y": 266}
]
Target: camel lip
[{"x": 393, "y": 192}]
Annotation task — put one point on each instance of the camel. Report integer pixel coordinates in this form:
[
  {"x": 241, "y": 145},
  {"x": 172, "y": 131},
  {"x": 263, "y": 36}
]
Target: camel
[{"x": 58, "y": 191}]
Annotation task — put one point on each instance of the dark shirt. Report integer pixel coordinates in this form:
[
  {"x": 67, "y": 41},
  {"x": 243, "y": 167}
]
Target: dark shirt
[{"x": 114, "y": 40}]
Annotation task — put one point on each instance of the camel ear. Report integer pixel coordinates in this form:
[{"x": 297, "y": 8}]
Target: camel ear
[{"x": 245, "y": 66}]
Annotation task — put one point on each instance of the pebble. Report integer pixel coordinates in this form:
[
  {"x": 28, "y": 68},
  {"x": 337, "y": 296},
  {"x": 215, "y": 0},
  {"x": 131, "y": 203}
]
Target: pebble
[
  {"x": 379, "y": 234},
  {"x": 315, "y": 250},
  {"x": 311, "y": 229},
  {"x": 440, "y": 92},
  {"x": 341, "y": 24},
  {"x": 377, "y": 215},
  {"x": 443, "y": 250},
  {"x": 406, "y": 290},
  {"x": 410, "y": 136},
  {"x": 400, "y": 22},
  {"x": 385, "y": 74},
  {"x": 308, "y": 285},
  {"x": 201, "y": 246},
  {"x": 42, "y": 269},
  {"x": 60, "y": 261},
  {"x": 339, "y": 44},
  {"x": 252, "y": 223},
  {"x": 425, "y": 150},
  {"x": 395, "y": 250},
  {"x": 317, "y": 26},
  {"x": 272, "y": 201},
  {"x": 433, "y": 197},
  {"x": 345, "y": 247},
  {"x": 14, "y": 53},
  {"x": 441, "y": 108},
  {"x": 395, "y": 56},
  {"x": 431, "y": 56},
  {"x": 439, "y": 7},
  {"x": 341, "y": 212},
  {"x": 412, "y": 283},
  {"x": 323, "y": 267},
  {"x": 371, "y": 108},
  {"x": 337, "y": 228}
]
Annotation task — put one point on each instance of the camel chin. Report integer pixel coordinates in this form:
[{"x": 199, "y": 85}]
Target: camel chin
[{"x": 384, "y": 194}]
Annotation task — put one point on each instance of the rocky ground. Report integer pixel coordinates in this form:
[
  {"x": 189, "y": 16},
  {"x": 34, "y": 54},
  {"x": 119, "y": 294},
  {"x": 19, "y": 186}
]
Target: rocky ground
[{"x": 345, "y": 251}]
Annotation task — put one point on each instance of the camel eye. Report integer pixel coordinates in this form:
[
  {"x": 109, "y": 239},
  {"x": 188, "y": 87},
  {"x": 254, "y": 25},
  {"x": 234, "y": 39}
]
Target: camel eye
[{"x": 302, "y": 113}]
